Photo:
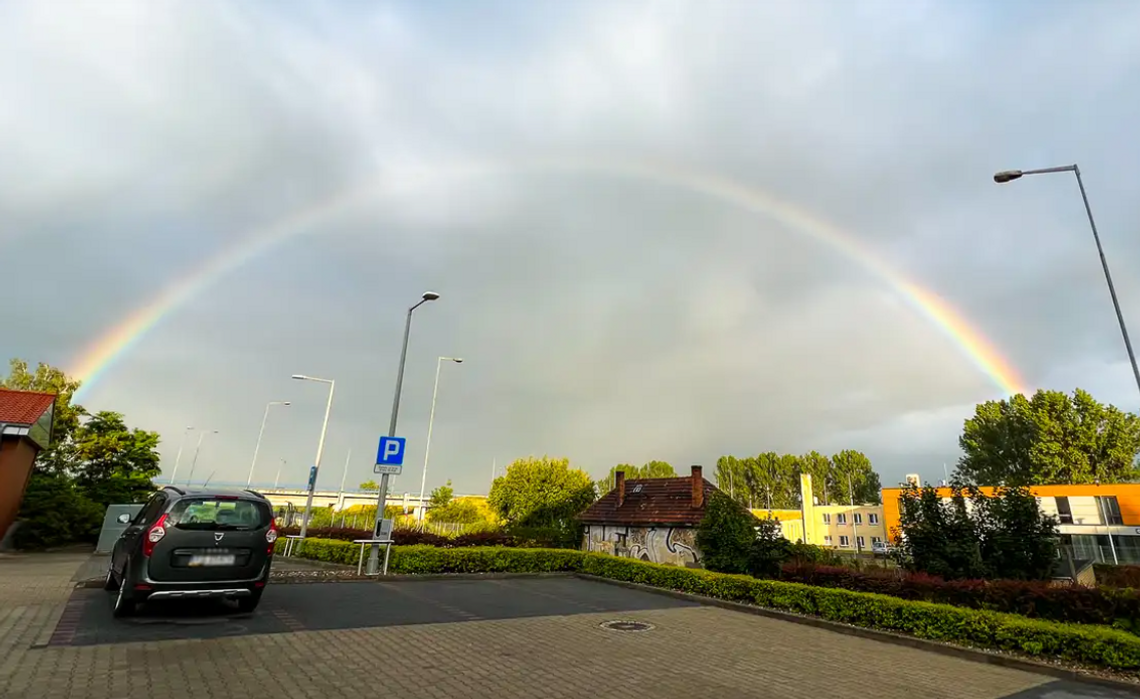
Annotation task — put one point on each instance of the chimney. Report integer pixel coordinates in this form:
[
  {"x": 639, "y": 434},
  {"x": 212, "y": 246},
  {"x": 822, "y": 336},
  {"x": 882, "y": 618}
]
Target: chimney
[
  {"x": 698, "y": 487},
  {"x": 619, "y": 484}
]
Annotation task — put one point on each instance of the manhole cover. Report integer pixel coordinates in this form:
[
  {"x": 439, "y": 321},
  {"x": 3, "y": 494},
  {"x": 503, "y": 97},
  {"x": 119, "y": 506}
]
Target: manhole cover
[{"x": 626, "y": 625}]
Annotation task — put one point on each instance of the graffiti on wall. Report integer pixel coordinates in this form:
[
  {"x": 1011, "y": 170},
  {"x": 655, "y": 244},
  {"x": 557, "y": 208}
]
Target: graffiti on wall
[{"x": 670, "y": 545}]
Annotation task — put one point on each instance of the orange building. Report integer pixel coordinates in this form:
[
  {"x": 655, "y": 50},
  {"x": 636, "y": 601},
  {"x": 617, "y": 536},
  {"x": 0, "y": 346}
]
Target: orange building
[{"x": 1100, "y": 522}]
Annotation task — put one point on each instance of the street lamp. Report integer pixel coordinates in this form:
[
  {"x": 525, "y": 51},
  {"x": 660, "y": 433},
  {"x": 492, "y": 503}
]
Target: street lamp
[
  {"x": 374, "y": 555},
  {"x": 1011, "y": 175},
  {"x": 178, "y": 458},
  {"x": 320, "y": 448},
  {"x": 259, "y": 435},
  {"x": 201, "y": 436},
  {"x": 431, "y": 421}
]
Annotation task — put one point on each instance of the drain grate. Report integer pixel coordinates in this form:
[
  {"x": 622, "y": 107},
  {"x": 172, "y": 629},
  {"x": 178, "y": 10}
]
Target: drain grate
[{"x": 624, "y": 625}]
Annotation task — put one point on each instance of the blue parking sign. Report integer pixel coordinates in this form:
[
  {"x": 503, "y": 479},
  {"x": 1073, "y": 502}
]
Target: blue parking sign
[{"x": 391, "y": 451}]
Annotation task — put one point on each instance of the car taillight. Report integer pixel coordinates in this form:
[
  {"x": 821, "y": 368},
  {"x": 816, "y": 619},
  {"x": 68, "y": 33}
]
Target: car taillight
[
  {"x": 154, "y": 535},
  {"x": 271, "y": 536}
]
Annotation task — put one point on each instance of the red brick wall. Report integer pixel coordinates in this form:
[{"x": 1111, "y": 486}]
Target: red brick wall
[{"x": 16, "y": 457}]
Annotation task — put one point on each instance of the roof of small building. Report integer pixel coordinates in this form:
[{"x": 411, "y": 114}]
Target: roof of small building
[
  {"x": 666, "y": 501},
  {"x": 23, "y": 408}
]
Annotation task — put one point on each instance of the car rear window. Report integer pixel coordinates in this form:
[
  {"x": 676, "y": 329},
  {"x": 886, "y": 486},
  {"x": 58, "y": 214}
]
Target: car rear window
[{"x": 219, "y": 514}]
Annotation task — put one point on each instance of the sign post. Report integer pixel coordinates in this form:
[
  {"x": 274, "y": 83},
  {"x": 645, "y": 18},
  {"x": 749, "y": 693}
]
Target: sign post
[{"x": 389, "y": 462}]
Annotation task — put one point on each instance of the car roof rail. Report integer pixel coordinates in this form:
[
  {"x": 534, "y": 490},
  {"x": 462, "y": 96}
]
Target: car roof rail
[
  {"x": 251, "y": 490},
  {"x": 174, "y": 488}
]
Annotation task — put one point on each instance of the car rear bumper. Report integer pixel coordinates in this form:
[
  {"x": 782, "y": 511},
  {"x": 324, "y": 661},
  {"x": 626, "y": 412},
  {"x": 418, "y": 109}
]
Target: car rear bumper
[{"x": 219, "y": 593}]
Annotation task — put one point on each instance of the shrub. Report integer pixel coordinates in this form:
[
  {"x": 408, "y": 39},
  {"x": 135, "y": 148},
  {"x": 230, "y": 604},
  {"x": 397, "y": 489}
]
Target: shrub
[
  {"x": 54, "y": 512},
  {"x": 725, "y": 535},
  {"x": 1104, "y": 606},
  {"x": 1117, "y": 576},
  {"x": 1090, "y": 645},
  {"x": 547, "y": 537},
  {"x": 769, "y": 550}
]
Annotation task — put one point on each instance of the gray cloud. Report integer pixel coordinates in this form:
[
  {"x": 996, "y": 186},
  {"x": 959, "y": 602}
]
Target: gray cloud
[{"x": 604, "y": 317}]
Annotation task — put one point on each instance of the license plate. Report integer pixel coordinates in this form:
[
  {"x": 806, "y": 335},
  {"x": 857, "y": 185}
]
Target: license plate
[{"x": 212, "y": 560}]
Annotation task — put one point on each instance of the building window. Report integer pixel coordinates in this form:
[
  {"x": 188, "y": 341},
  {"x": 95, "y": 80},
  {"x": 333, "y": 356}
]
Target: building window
[
  {"x": 872, "y": 518},
  {"x": 826, "y": 518},
  {"x": 841, "y": 518},
  {"x": 845, "y": 542},
  {"x": 861, "y": 542},
  {"x": 858, "y": 518},
  {"x": 1064, "y": 512},
  {"x": 1110, "y": 509},
  {"x": 827, "y": 540},
  {"x": 876, "y": 540}
]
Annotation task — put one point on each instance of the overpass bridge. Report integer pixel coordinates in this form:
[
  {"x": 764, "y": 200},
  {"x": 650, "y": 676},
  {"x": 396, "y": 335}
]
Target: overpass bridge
[{"x": 339, "y": 500}]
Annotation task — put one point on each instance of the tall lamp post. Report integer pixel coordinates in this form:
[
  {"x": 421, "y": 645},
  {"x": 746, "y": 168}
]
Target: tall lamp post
[
  {"x": 1010, "y": 175},
  {"x": 431, "y": 421},
  {"x": 374, "y": 554},
  {"x": 178, "y": 458},
  {"x": 320, "y": 449},
  {"x": 261, "y": 433},
  {"x": 194, "y": 462}
]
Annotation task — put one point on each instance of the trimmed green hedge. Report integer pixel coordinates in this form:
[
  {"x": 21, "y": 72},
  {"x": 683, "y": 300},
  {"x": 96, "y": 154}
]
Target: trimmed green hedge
[{"x": 1085, "y": 644}]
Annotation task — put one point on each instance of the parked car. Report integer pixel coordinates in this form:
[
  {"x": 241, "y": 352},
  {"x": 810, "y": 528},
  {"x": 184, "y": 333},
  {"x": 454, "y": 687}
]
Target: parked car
[{"x": 194, "y": 543}]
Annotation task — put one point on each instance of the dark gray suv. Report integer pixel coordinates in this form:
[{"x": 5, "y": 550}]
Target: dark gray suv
[{"x": 194, "y": 543}]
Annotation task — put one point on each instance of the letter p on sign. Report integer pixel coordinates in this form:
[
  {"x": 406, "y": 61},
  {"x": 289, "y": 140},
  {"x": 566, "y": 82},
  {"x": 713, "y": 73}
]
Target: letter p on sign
[{"x": 391, "y": 451}]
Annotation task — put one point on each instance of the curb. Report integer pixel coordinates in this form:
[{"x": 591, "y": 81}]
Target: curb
[{"x": 963, "y": 652}]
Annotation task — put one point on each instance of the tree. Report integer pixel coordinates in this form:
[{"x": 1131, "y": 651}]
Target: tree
[
  {"x": 730, "y": 477},
  {"x": 937, "y": 537},
  {"x": 769, "y": 551},
  {"x": 652, "y": 469},
  {"x": 66, "y": 417},
  {"x": 777, "y": 480},
  {"x": 441, "y": 496},
  {"x": 541, "y": 492},
  {"x": 112, "y": 463},
  {"x": 725, "y": 535},
  {"x": 852, "y": 476},
  {"x": 1049, "y": 438},
  {"x": 823, "y": 480},
  {"x": 370, "y": 486},
  {"x": 1017, "y": 540}
]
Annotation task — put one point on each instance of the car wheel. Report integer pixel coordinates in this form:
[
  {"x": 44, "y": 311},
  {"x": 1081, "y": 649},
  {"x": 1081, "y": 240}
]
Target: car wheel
[
  {"x": 248, "y": 604},
  {"x": 124, "y": 602},
  {"x": 111, "y": 584}
]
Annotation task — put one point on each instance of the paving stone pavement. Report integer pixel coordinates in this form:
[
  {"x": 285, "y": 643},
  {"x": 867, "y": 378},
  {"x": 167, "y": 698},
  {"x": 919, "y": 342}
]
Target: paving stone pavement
[{"x": 692, "y": 651}]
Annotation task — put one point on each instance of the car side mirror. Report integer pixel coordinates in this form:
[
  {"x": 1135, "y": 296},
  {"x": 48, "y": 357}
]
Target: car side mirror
[{"x": 124, "y": 518}]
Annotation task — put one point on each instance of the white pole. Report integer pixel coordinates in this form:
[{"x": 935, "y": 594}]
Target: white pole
[
  {"x": 431, "y": 422},
  {"x": 317, "y": 465},
  {"x": 278, "y": 478},
  {"x": 343, "y": 478},
  {"x": 260, "y": 433},
  {"x": 178, "y": 458},
  {"x": 197, "y": 449}
]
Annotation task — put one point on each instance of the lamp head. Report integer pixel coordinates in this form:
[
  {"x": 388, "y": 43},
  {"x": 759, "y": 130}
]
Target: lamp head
[
  {"x": 300, "y": 377},
  {"x": 430, "y": 296},
  {"x": 1007, "y": 176}
]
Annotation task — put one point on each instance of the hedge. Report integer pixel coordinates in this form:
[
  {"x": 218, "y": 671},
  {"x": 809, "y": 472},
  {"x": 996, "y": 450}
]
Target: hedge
[
  {"x": 1117, "y": 576},
  {"x": 1037, "y": 600},
  {"x": 1088, "y": 645},
  {"x": 525, "y": 538}
]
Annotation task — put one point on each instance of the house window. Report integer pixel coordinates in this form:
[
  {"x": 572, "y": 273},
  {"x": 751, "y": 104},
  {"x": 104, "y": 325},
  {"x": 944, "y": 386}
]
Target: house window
[
  {"x": 876, "y": 540},
  {"x": 826, "y": 518},
  {"x": 841, "y": 518},
  {"x": 845, "y": 542},
  {"x": 1064, "y": 512},
  {"x": 827, "y": 540},
  {"x": 861, "y": 542},
  {"x": 1110, "y": 509},
  {"x": 858, "y": 518},
  {"x": 872, "y": 518}
]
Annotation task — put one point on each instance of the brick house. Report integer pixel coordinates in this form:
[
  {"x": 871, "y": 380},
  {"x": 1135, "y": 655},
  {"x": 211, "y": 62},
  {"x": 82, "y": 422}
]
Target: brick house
[
  {"x": 25, "y": 429},
  {"x": 650, "y": 519}
]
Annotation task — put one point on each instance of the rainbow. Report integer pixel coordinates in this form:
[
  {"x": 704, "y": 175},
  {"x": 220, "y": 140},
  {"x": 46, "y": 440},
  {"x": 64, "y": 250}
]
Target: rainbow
[{"x": 95, "y": 360}]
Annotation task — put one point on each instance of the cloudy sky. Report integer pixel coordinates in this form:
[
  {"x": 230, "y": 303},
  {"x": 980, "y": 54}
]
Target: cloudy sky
[{"x": 557, "y": 172}]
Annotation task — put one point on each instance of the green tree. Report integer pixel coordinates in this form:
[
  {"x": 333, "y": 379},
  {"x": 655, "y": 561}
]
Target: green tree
[
  {"x": 725, "y": 535},
  {"x": 653, "y": 469},
  {"x": 542, "y": 492},
  {"x": 66, "y": 418},
  {"x": 1017, "y": 540},
  {"x": 730, "y": 478},
  {"x": 822, "y": 475},
  {"x": 937, "y": 537},
  {"x": 777, "y": 480},
  {"x": 441, "y": 496},
  {"x": 1049, "y": 438},
  {"x": 769, "y": 551},
  {"x": 370, "y": 486},
  {"x": 852, "y": 476},
  {"x": 112, "y": 463}
]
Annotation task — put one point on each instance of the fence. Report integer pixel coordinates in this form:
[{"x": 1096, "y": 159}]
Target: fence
[{"x": 289, "y": 516}]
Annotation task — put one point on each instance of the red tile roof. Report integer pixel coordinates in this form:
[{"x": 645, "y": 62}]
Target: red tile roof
[
  {"x": 651, "y": 501},
  {"x": 23, "y": 407}
]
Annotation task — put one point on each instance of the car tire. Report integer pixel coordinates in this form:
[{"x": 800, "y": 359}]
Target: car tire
[
  {"x": 110, "y": 584},
  {"x": 124, "y": 602},
  {"x": 248, "y": 604}
]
